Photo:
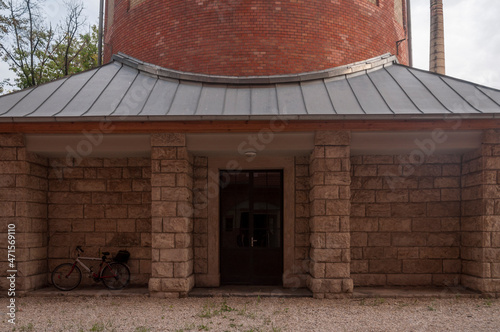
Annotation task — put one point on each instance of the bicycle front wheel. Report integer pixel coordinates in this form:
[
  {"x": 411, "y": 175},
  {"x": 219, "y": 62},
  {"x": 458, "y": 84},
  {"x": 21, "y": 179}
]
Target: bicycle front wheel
[
  {"x": 66, "y": 276},
  {"x": 115, "y": 276}
]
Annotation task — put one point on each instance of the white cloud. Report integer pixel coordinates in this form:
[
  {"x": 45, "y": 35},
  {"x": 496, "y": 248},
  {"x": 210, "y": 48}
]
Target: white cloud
[{"x": 472, "y": 39}]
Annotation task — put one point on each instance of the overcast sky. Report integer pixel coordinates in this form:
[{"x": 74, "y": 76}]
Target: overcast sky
[{"x": 472, "y": 37}]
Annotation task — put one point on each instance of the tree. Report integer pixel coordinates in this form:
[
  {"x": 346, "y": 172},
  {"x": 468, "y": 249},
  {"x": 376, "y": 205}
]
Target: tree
[
  {"x": 30, "y": 39},
  {"x": 38, "y": 53}
]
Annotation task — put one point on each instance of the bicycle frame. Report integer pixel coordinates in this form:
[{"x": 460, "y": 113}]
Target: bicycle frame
[{"x": 89, "y": 271}]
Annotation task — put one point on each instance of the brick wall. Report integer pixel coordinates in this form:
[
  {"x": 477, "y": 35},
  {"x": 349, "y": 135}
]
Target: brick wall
[
  {"x": 259, "y": 37},
  {"x": 23, "y": 184},
  {"x": 101, "y": 204},
  {"x": 405, "y": 221}
]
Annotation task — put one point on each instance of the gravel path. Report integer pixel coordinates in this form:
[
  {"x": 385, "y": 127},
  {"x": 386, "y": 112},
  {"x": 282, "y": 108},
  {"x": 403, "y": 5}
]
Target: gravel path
[{"x": 253, "y": 314}]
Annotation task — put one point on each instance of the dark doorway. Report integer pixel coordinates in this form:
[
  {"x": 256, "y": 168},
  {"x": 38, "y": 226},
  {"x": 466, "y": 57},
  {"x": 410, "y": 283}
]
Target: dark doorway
[{"x": 251, "y": 227}]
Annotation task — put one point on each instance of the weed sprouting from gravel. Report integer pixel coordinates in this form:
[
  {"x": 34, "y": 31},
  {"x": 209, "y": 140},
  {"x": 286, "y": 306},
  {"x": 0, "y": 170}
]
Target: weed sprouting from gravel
[{"x": 142, "y": 329}]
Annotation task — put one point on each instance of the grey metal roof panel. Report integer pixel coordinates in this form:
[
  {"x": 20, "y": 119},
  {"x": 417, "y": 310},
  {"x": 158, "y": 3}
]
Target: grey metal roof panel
[
  {"x": 368, "y": 96},
  {"x": 493, "y": 94},
  {"x": 316, "y": 97},
  {"x": 264, "y": 100},
  {"x": 125, "y": 92},
  {"x": 64, "y": 94},
  {"x": 418, "y": 93},
  {"x": 89, "y": 93},
  {"x": 212, "y": 99},
  {"x": 36, "y": 98},
  {"x": 137, "y": 95},
  {"x": 186, "y": 99},
  {"x": 472, "y": 95},
  {"x": 11, "y": 100},
  {"x": 237, "y": 101},
  {"x": 161, "y": 98},
  {"x": 442, "y": 91},
  {"x": 290, "y": 99},
  {"x": 114, "y": 93},
  {"x": 392, "y": 93},
  {"x": 343, "y": 99}
]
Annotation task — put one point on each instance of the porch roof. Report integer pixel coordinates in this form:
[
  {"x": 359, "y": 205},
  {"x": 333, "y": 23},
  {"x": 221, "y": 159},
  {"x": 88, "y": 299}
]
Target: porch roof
[{"x": 130, "y": 90}]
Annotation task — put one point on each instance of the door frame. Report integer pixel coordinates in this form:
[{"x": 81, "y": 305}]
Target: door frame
[
  {"x": 216, "y": 164},
  {"x": 251, "y": 209}
]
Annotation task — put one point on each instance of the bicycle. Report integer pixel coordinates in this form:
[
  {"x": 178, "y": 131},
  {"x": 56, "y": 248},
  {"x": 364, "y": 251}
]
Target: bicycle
[{"x": 68, "y": 276}]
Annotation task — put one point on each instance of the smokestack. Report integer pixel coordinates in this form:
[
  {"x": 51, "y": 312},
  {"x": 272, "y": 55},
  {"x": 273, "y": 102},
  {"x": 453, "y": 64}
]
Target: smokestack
[{"x": 437, "y": 60}]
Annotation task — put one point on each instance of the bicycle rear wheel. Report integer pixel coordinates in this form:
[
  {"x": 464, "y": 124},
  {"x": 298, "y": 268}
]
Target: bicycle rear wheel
[
  {"x": 115, "y": 276},
  {"x": 66, "y": 276}
]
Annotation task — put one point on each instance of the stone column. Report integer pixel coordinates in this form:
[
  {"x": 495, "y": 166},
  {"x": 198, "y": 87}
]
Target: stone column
[
  {"x": 480, "y": 243},
  {"x": 172, "y": 216},
  {"x": 329, "y": 199},
  {"x": 23, "y": 205}
]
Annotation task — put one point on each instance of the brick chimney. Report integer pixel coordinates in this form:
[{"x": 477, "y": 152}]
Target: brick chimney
[{"x": 437, "y": 59}]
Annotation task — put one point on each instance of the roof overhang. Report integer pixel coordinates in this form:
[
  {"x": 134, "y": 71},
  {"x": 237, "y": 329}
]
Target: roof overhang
[{"x": 136, "y": 97}]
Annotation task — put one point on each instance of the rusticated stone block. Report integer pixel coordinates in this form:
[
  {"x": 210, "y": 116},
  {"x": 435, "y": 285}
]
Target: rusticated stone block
[
  {"x": 183, "y": 240},
  {"x": 163, "y": 240},
  {"x": 369, "y": 280},
  {"x": 337, "y": 240},
  {"x": 332, "y": 138},
  {"x": 409, "y": 279},
  {"x": 324, "y": 285},
  {"x": 326, "y": 255},
  {"x": 178, "y": 225},
  {"x": 337, "y": 152},
  {"x": 162, "y": 270},
  {"x": 385, "y": 266},
  {"x": 379, "y": 239},
  {"x": 183, "y": 269},
  {"x": 324, "y": 224},
  {"x": 168, "y": 139},
  {"x": 337, "y": 270},
  {"x": 380, "y": 210},
  {"x": 422, "y": 266},
  {"x": 364, "y": 224},
  {"x": 318, "y": 240},
  {"x": 11, "y": 140},
  {"x": 176, "y": 255},
  {"x": 359, "y": 239},
  {"x": 338, "y": 207},
  {"x": 182, "y": 285},
  {"x": 163, "y": 209},
  {"x": 317, "y": 270}
]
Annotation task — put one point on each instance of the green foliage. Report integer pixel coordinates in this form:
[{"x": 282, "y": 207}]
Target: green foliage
[{"x": 38, "y": 53}]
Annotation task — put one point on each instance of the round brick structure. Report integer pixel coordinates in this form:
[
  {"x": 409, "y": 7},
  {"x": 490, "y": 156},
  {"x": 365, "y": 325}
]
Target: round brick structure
[{"x": 255, "y": 37}]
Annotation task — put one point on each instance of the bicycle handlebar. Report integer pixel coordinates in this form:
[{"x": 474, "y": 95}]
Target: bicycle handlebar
[{"x": 79, "y": 248}]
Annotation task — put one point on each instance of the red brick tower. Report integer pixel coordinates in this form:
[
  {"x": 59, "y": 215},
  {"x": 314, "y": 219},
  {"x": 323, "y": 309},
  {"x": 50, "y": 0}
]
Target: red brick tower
[{"x": 255, "y": 37}]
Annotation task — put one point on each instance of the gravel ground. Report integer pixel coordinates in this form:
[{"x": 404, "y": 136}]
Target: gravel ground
[{"x": 253, "y": 314}]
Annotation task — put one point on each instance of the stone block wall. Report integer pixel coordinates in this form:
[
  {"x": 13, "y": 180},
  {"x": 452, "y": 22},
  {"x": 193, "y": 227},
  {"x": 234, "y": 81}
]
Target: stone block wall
[
  {"x": 101, "y": 204},
  {"x": 329, "y": 199},
  {"x": 489, "y": 238},
  {"x": 23, "y": 203},
  {"x": 481, "y": 217},
  {"x": 172, "y": 216},
  {"x": 200, "y": 195},
  {"x": 405, "y": 220},
  {"x": 302, "y": 210}
]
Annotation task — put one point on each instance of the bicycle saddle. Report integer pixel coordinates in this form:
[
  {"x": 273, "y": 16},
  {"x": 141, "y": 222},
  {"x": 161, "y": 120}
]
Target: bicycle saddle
[{"x": 105, "y": 253}]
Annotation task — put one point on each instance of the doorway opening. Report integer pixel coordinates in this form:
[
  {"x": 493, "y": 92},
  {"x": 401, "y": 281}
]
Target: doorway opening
[{"x": 251, "y": 227}]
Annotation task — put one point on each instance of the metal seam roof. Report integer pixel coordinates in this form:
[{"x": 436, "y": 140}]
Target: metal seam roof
[{"x": 130, "y": 90}]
